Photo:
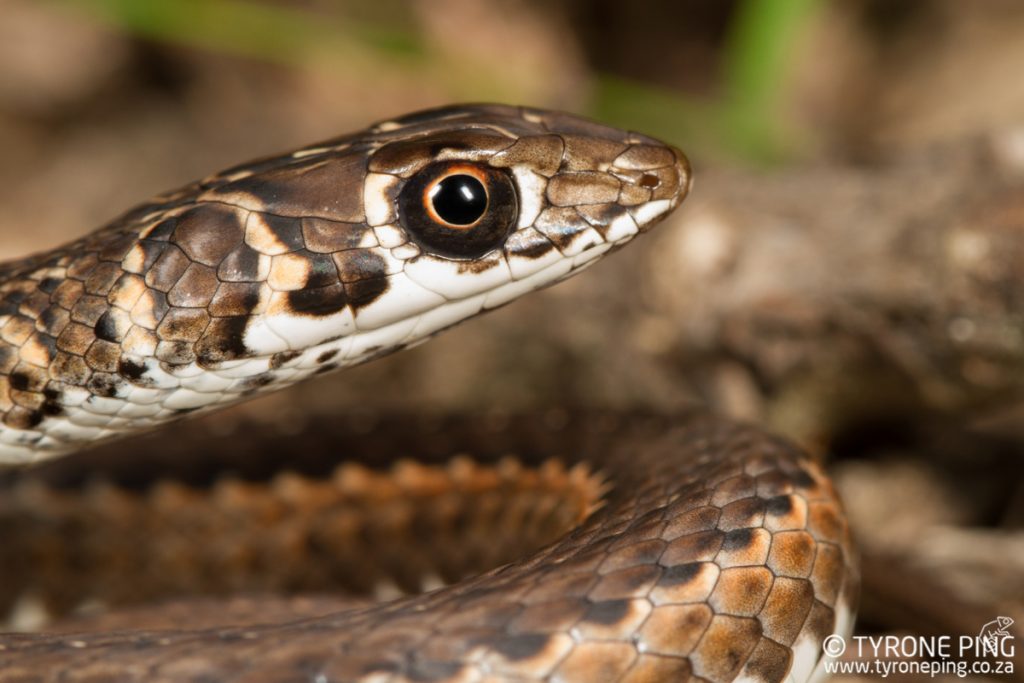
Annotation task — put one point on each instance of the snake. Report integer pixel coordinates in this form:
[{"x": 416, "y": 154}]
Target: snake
[{"x": 704, "y": 550}]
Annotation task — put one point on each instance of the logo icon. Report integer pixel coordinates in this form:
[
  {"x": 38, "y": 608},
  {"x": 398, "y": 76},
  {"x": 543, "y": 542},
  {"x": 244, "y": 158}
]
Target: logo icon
[{"x": 993, "y": 633}]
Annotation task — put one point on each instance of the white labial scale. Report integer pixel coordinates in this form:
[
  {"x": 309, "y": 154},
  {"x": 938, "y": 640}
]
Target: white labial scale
[
  {"x": 187, "y": 399},
  {"x": 624, "y": 240},
  {"x": 86, "y": 418},
  {"x": 74, "y": 396},
  {"x": 229, "y": 365},
  {"x": 645, "y": 213},
  {"x": 56, "y": 443},
  {"x": 532, "y": 188},
  {"x": 582, "y": 241},
  {"x": 71, "y": 431},
  {"x": 50, "y": 445},
  {"x": 11, "y": 436},
  {"x": 446, "y": 316},
  {"x": 576, "y": 269},
  {"x": 164, "y": 414},
  {"x": 524, "y": 266},
  {"x": 590, "y": 256},
  {"x": 186, "y": 371},
  {"x": 118, "y": 423},
  {"x": 301, "y": 332},
  {"x": 241, "y": 383},
  {"x": 160, "y": 417},
  {"x": 11, "y": 454},
  {"x": 452, "y": 280},
  {"x": 621, "y": 228},
  {"x": 573, "y": 271},
  {"x": 242, "y": 369},
  {"x": 367, "y": 344},
  {"x": 140, "y": 411},
  {"x": 293, "y": 370},
  {"x": 403, "y": 299},
  {"x": 102, "y": 405},
  {"x": 207, "y": 383},
  {"x": 412, "y": 341},
  {"x": 237, "y": 388},
  {"x": 396, "y": 258},
  {"x": 288, "y": 375},
  {"x": 309, "y": 360},
  {"x": 273, "y": 333},
  {"x": 139, "y": 395},
  {"x": 158, "y": 377},
  {"x": 22, "y": 446},
  {"x": 504, "y": 294},
  {"x": 111, "y": 433},
  {"x": 261, "y": 338}
]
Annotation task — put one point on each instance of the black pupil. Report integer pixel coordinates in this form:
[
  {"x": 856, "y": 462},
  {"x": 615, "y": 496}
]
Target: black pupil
[{"x": 459, "y": 199}]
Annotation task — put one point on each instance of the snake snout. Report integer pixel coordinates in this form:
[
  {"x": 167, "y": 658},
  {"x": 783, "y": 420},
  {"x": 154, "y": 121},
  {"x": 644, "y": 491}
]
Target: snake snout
[
  {"x": 671, "y": 183},
  {"x": 684, "y": 173},
  {"x": 655, "y": 179}
]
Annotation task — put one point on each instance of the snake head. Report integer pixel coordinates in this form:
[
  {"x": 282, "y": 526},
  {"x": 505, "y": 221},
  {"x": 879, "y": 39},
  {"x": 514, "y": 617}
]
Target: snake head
[
  {"x": 320, "y": 258},
  {"x": 423, "y": 221}
]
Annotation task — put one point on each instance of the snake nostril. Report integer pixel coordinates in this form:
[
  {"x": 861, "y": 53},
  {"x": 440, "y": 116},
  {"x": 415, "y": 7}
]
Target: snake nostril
[{"x": 649, "y": 180}]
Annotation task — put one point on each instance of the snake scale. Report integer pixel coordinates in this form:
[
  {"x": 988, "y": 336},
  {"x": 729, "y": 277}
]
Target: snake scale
[{"x": 711, "y": 551}]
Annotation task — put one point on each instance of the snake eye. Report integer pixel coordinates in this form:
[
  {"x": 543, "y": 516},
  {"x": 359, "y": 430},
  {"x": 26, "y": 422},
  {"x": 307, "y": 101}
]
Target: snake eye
[
  {"x": 458, "y": 210},
  {"x": 458, "y": 199}
]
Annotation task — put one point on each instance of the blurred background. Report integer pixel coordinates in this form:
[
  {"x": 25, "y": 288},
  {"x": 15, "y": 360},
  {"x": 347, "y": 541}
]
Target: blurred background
[{"x": 846, "y": 271}]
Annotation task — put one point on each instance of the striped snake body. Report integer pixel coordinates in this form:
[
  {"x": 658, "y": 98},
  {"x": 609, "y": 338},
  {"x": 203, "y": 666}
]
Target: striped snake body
[{"x": 716, "y": 552}]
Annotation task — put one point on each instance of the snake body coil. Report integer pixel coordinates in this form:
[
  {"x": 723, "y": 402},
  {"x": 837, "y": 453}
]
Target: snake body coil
[{"x": 717, "y": 553}]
